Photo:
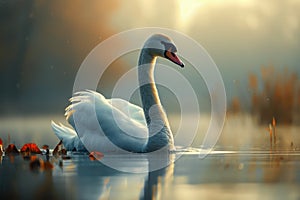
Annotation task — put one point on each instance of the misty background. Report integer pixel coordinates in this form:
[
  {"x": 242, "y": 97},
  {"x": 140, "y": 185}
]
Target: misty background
[{"x": 43, "y": 44}]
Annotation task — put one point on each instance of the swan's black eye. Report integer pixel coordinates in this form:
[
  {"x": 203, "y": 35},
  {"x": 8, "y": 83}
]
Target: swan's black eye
[{"x": 169, "y": 46}]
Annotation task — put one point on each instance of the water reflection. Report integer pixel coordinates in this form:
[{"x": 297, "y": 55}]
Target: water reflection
[
  {"x": 109, "y": 182},
  {"x": 234, "y": 173},
  {"x": 156, "y": 179}
]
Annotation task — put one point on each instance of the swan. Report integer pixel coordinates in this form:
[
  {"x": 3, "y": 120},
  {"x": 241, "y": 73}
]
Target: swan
[{"x": 128, "y": 126}]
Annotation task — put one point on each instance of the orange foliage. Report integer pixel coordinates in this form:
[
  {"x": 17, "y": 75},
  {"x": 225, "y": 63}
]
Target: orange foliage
[
  {"x": 30, "y": 147},
  {"x": 11, "y": 148},
  {"x": 278, "y": 97},
  {"x": 253, "y": 81},
  {"x": 235, "y": 105},
  {"x": 95, "y": 155}
]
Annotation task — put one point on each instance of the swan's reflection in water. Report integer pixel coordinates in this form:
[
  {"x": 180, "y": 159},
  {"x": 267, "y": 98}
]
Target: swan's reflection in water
[
  {"x": 113, "y": 183},
  {"x": 155, "y": 180},
  {"x": 85, "y": 179},
  {"x": 221, "y": 172}
]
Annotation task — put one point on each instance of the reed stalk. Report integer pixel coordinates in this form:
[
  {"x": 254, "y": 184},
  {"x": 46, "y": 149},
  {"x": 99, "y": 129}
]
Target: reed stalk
[{"x": 274, "y": 129}]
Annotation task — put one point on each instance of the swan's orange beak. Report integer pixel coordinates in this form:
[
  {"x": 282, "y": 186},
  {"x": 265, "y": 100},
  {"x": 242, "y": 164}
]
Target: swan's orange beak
[{"x": 174, "y": 58}]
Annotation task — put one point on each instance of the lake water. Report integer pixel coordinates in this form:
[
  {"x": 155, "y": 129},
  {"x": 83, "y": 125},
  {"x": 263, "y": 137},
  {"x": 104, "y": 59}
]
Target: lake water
[{"x": 243, "y": 165}]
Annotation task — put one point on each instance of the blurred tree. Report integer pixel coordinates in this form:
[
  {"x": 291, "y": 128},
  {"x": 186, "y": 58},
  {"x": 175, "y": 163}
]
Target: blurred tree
[
  {"x": 42, "y": 45},
  {"x": 235, "y": 106}
]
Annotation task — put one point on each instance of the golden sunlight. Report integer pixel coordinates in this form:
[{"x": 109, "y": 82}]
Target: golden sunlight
[{"x": 187, "y": 9}]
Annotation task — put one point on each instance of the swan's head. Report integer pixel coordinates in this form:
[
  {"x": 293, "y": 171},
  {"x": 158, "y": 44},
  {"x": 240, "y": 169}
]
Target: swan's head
[{"x": 162, "y": 46}]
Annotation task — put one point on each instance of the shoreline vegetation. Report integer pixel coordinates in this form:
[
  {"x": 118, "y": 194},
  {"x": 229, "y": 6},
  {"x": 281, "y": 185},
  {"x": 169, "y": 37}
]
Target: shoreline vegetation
[{"x": 272, "y": 94}]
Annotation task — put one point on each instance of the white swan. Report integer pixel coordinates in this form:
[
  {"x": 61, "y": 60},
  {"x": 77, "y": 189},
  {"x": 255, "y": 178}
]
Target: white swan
[{"x": 126, "y": 125}]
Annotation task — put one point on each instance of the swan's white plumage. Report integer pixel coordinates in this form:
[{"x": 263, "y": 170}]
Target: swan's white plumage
[
  {"x": 123, "y": 122},
  {"x": 134, "y": 112},
  {"x": 69, "y": 137},
  {"x": 110, "y": 124}
]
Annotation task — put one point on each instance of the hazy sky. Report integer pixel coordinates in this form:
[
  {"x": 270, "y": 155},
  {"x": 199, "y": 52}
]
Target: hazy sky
[
  {"x": 44, "y": 42},
  {"x": 240, "y": 35}
]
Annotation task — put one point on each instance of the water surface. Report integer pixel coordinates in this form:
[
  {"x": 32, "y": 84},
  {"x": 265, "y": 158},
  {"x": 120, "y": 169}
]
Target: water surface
[
  {"x": 220, "y": 175},
  {"x": 243, "y": 165}
]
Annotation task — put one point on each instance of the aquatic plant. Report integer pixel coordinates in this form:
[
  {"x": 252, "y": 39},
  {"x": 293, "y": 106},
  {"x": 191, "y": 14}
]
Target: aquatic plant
[
  {"x": 274, "y": 129},
  {"x": 59, "y": 149},
  {"x": 1, "y": 146},
  {"x": 275, "y": 93},
  {"x": 31, "y": 147},
  {"x": 11, "y": 149},
  {"x": 235, "y": 106},
  {"x": 270, "y": 133}
]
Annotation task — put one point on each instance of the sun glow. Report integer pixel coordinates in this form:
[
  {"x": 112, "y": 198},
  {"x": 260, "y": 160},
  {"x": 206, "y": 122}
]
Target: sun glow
[{"x": 187, "y": 9}]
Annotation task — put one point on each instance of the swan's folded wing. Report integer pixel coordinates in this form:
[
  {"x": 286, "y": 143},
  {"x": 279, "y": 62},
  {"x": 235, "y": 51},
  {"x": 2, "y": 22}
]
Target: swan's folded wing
[
  {"x": 132, "y": 111},
  {"x": 92, "y": 115}
]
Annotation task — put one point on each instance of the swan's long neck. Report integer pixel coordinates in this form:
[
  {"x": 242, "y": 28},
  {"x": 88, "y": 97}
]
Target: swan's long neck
[{"x": 160, "y": 134}]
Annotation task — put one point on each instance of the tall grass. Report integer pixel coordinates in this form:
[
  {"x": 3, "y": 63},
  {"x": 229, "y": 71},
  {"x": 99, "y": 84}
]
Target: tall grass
[{"x": 275, "y": 93}]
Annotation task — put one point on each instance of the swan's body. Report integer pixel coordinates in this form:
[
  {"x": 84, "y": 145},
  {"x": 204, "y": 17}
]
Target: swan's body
[{"x": 126, "y": 125}]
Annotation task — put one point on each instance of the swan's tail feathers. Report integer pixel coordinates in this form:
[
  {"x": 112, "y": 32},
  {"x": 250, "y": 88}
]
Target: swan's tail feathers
[
  {"x": 68, "y": 136},
  {"x": 76, "y": 102},
  {"x": 83, "y": 103},
  {"x": 62, "y": 131}
]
